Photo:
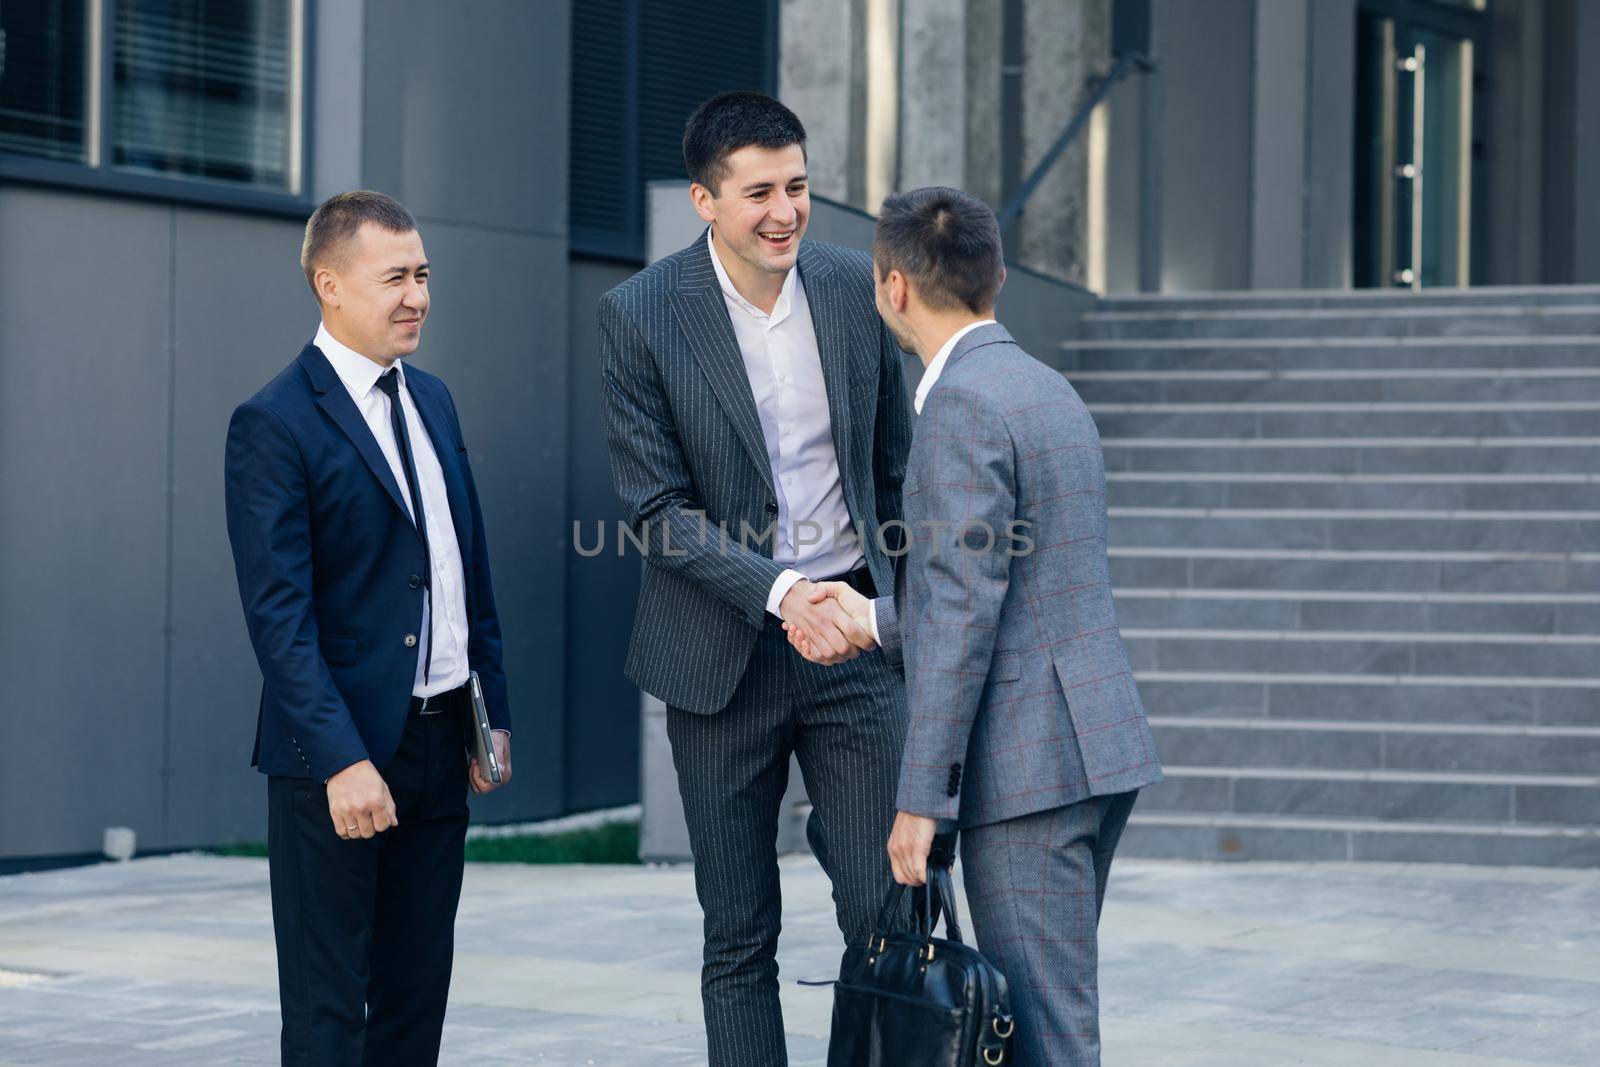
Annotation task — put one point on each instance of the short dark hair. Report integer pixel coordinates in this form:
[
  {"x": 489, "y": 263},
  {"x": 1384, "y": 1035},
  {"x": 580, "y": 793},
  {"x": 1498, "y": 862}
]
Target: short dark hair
[
  {"x": 946, "y": 242},
  {"x": 731, "y": 121},
  {"x": 340, "y": 217}
]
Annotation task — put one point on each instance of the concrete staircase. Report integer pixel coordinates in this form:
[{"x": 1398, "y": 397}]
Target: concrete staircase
[{"x": 1355, "y": 539}]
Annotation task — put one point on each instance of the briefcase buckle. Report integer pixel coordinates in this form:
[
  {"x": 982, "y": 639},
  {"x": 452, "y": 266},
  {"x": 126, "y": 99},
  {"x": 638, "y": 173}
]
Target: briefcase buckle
[
  {"x": 1011, "y": 1026},
  {"x": 998, "y": 1060}
]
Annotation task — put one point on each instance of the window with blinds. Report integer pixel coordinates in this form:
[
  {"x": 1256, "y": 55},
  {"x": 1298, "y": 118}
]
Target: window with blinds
[
  {"x": 205, "y": 88},
  {"x": 194, "y": 89},
  {"x": 43, "y": 85},
  {"x": 639, "y": 67}
]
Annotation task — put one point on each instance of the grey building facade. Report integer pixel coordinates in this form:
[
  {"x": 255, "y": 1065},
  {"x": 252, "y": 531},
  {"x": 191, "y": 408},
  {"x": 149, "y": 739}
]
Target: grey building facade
[{"x": 156, "y": 170}]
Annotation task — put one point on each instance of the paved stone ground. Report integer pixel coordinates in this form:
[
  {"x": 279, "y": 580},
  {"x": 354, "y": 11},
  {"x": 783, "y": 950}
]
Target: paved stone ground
[{"x": 170, "y": 962}]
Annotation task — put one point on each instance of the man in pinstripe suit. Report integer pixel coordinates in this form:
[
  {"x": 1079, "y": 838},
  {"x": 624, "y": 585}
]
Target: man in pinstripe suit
[
  {"x": 758, "y": 426},
  {"x": 1025, "y": 725}
]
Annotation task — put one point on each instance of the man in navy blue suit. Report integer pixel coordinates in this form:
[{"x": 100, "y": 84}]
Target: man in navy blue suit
[{"x": 364, "y": 572}]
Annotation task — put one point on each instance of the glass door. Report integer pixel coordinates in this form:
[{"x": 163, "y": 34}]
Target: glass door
[{"x": 1417, "y": 83}]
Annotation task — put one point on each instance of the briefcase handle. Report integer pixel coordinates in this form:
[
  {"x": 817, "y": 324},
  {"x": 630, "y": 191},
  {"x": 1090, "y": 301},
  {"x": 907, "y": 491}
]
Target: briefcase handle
[{"x": 939, "y": 896}]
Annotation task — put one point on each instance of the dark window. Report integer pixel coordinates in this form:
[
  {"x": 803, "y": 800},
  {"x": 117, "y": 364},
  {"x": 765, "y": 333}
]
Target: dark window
[
  {"x": 43, "y": 89},
  {"x": 204, "y": 88},
  {"x": 639, "y": 67}
]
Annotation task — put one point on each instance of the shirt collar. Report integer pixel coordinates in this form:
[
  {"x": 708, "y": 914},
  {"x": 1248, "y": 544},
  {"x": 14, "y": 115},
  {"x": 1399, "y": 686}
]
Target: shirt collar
[
  {"x": 780, "y": 310},
  {"x": 358, "y": 373},
  {"x": 936, "y": 368}
]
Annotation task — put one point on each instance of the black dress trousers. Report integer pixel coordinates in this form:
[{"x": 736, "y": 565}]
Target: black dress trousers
[{"x": 366, "y": 928}]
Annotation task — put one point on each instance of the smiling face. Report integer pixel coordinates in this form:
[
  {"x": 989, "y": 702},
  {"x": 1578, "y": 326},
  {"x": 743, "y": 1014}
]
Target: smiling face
[
  {"x": 759, "y": 210},
  {"x": 374, "y": 292}
]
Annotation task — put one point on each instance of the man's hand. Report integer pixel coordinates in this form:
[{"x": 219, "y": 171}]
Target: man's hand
[
  {"x": 830, "y": 634},
  {"x": 359, "y": 802},
  {"x": 857, "y": 607},
  {"x": 502, "y": 753},
  {"x": 909, "y": 844}
]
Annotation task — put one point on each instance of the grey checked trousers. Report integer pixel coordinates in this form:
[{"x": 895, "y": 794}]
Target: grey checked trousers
[
  {"x": 846, "y": 725},
  {"x": 1036, "y": 885}
]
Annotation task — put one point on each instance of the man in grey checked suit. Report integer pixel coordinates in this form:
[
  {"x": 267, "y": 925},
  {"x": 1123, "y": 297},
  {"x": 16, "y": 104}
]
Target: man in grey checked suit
[
  {"x": 1026, "y": 728},
  {"x": 757, "y": 416}
]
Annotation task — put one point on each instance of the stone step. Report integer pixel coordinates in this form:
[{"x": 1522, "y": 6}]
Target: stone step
[
  {"x": 1308, "y": 354},
  {"x": 1551, "y": 492},
  {"x": 1479, "y": 748},
  {"x": 1374, "y": 610},
  {"x": 1401, "y": 570},
  {"x": 1344, "y": 529},
  {"x": 1349, "y": 697},
  {"x": 1469, "y": 321},
  {"x": 1565, "y": 800},
  {"x": 1286, "y": 299},
  {"x": 1560, "y": 389},
  {"x": 1248, "y": 420},
  {"x": 1338, "y": 454},
  {"x": 1171, "y": 835},
  {"x": 1384, "y": 653}
]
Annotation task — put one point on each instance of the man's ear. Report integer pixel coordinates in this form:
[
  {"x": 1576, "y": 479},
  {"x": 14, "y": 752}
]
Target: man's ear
[
  {"x": 701, "y": 198},
  {"x": 899, "y": 292},
  {"x": 327, "y": 286}
]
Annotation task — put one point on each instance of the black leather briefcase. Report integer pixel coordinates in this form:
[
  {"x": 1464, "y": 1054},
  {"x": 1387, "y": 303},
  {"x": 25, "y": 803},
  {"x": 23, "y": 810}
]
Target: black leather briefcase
[{"x": 915, "y": 1000}]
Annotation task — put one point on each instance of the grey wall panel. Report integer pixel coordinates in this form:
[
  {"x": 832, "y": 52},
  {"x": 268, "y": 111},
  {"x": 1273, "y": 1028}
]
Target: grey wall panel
[
  {"x": 466, "y": 115},
  {"x": 497, "y": 335},
  {"x": 1206, "y": 55},
  {"x": 1330, "y": 144},
  {"x": 1124, "y": 174},
  {"x": 602, "y": 742},
  {"x": 1278, "y": 160},
  {"x": 1586, "y": 147},
  {"x": 84, "y": 354},
  {"x": 336, "y": 87},
  {"x": 242, "y": 312}
]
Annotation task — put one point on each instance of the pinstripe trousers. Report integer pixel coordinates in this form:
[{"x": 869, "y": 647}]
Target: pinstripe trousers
[
  {"x": 1036, "y": 885},
  {"x": 846, "y": 726}
]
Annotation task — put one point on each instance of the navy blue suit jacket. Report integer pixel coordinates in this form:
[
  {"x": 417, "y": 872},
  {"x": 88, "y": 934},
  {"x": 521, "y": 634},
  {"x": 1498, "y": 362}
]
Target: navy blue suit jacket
[{"x": 329, "y": 565}]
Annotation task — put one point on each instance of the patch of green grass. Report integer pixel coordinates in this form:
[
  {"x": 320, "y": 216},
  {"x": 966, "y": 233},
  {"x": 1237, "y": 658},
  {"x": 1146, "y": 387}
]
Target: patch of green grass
[
  {"x": 612, "y": 842},
  {"x": 254, "y": 849}
]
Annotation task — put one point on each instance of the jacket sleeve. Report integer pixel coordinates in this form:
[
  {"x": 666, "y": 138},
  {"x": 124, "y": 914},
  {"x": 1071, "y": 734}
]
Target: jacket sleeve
[
  {"x": 653, "y": 480},
  {"x": 484, "y": 651},
  {"x": 893, "y": 429},
  {"x": 961, "y": 569},
  {"x": 269, "y": 526}
]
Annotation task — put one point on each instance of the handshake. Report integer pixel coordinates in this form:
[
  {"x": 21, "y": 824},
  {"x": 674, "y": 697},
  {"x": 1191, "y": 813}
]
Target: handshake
[{"x": 827, "y": 622}]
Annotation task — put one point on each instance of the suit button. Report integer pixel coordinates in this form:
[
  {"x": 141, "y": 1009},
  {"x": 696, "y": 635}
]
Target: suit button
[
  {"x": 411, "y": 640},
  {"x": 772, "y": 509},
  {"x": 415, "y": 581}
]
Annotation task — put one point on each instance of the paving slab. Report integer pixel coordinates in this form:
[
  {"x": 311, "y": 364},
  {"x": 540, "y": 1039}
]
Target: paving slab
[{"x": 169, "y": 962}]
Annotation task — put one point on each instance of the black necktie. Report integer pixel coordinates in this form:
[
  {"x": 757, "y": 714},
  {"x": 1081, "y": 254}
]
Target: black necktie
[{"x": 389, "y": 382}]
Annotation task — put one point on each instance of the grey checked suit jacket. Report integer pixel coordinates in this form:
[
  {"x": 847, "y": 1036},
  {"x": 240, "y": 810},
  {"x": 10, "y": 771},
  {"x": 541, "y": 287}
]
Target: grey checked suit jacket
[
  {"x": 1020, "y": 694},
  {"x": 690, "y": 463}
]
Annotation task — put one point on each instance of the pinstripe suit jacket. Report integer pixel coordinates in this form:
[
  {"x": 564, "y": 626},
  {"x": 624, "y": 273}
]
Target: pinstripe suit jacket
[
  {"x": 1020, "y": 694},
  {"x": 690, "y": 463}
]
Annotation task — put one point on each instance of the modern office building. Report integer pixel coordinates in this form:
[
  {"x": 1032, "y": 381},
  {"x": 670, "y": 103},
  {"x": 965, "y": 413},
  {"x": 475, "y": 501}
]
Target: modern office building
[{"x": 158, "y": 159}]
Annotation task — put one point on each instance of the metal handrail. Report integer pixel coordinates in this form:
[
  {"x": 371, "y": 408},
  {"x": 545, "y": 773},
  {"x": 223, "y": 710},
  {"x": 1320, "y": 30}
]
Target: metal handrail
[{"x": 1124, "y": 66}]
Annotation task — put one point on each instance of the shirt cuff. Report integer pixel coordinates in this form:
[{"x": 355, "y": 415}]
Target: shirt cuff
[
  {"x": 872, "y": 621},
  {"x": 780, "y": 589}
]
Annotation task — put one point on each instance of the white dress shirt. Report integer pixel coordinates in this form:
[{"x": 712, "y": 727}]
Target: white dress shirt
[
  {"x": 785, "y": 370},
  {"x": 929, "y": 378},
  {"x": 449, "y": 591}
]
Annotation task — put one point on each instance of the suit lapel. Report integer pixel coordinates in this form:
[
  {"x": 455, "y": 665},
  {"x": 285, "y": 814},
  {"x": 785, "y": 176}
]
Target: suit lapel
[
  {"x": 334, "y": 399},
  {"x": 435, "y": 421},
  {"x": 832, "y": 328},
  {"x": 703, "y": 316}
]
